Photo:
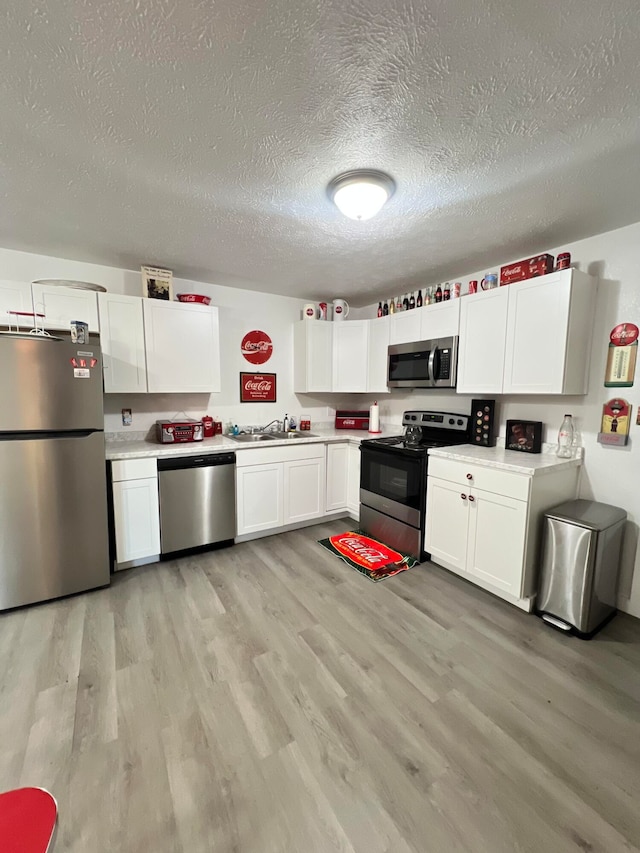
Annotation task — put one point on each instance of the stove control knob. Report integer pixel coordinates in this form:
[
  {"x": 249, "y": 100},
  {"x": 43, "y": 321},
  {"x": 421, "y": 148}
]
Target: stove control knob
[
  {"x": 413, "y": 417},
  {"x": 460, "y": 422},
  {"x": 451, "y": 421}
]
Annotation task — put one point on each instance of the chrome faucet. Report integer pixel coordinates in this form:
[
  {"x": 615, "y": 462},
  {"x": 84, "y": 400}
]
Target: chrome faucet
[{"x": 265, "y": 428}]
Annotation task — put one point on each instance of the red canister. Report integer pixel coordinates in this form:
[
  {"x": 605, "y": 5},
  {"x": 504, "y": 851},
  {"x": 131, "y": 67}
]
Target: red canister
[
  {"x": 473, "y": 287},
  {"x": 564, "y": 261},
  {"x": 207, "y": 423}
]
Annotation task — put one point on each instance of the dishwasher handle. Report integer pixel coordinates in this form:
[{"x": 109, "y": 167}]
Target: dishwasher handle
[{"x": 179, "y": 462}]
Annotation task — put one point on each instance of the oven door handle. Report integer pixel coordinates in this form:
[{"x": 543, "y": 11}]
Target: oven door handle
[{"x": 432, "y": 364}]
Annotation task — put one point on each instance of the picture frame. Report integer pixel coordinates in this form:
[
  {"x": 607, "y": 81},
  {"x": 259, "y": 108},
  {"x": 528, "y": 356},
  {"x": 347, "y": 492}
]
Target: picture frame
[
  {"x": 524, "y": 436},
  {"x": 258, "y": 388},
  {"x": 157, "y": 283}
]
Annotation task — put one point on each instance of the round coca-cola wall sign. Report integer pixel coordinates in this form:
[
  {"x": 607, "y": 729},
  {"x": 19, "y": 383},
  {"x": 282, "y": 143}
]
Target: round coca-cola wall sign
[{"x": 256, "y": 347}]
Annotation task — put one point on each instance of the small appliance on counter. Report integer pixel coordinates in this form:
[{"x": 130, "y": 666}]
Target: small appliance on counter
[
  {"x": 352, "y": 419},
  {"x": 483, "y": 417},
  {"x": 174, "y": 432}
]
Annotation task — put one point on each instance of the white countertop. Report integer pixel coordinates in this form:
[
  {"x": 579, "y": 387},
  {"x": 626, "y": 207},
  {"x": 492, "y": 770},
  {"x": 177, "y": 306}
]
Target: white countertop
[
  {"x": 532, "y": 464},
  {"x": 137, "y": 449}
]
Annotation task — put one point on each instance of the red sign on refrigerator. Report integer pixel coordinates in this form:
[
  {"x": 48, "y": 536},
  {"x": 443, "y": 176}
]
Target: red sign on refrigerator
[{"x": 257, "y": 387}]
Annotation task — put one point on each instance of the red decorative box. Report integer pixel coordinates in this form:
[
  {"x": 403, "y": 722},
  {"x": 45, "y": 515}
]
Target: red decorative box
[
  {"x": 352, "y": 420},
  {"x": 528, "y": 268}
]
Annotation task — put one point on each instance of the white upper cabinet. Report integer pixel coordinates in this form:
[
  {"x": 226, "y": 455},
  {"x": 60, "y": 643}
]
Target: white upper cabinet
[
  {"x": 122, "y": 341},
  {"x": 312, "y": 356},
  {"x": 483, "y": 330},
  {"x": 405, "y": 327},
  {"x": 441, "y": 320},
  {"x": 531, "y": 337},
  {"x": 378, "y": 355},
  {"x": 15, "y": 296},
  {"x": 350, "y": 355},
  {"x": 61, "y": 305},
  {"x": 549, "y": 325},
  {"x": 182, "y": 347}
]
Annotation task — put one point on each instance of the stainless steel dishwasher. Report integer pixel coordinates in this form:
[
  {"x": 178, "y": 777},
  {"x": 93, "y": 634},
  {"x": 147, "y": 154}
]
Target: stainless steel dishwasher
[{"x": 197, "y": 501}]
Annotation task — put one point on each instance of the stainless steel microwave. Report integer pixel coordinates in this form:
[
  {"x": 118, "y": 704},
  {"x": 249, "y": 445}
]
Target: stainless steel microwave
[{"x": 423, "y": 364}]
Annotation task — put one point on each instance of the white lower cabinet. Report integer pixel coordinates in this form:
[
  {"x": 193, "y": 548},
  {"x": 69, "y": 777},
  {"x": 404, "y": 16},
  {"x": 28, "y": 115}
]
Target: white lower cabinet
[
  {"x": 279, "y": 486},
  {"x": 353, "y": 481},
  {"x": 337, "y": 477},
  {"x": 259, "y": 497},
  {"x": 136, "y": 511},
  {"x": 304, "y": 489},
  {"x": 485, "y": 524}
]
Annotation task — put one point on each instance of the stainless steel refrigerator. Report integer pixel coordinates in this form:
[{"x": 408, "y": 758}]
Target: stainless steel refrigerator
[{"x": 53, "y": 493}]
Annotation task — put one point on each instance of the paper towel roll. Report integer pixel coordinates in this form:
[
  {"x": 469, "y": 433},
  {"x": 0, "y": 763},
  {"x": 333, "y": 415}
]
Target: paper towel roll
[{"x": 374, "y": 418}]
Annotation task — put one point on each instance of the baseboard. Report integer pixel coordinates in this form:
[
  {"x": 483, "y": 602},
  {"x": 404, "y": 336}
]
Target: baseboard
[{"x": 298, "y": 525}]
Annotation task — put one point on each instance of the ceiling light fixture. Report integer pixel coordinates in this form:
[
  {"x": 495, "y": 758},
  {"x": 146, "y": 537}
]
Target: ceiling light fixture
[{"x": 361, "y": 193}]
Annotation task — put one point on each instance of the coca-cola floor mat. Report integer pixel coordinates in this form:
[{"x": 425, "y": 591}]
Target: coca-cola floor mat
[{"x": 367, "y": 555}]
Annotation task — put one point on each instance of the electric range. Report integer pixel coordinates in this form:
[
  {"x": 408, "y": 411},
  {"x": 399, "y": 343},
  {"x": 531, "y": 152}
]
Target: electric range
[{"x": 393, "y": 477}]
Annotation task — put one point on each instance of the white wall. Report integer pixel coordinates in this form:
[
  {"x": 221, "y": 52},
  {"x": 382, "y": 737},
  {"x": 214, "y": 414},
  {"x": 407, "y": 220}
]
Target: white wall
[
  {"x": 610, "y": 474},
  {"x": 240, "y": 312}
]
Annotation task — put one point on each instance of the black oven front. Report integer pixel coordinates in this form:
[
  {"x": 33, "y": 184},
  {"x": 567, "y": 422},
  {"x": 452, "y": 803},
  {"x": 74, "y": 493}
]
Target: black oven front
[{"x": 393, "y": 482}]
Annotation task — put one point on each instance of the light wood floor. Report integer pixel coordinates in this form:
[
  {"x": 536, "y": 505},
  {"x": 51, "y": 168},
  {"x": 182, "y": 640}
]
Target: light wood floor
[{"x": 268, "y": 698}]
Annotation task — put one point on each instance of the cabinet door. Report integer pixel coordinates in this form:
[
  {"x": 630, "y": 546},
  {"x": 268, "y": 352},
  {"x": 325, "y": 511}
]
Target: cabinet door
[
  {"x": 378, "y": 355},
  {"x": 337, "y": 476},
  {"x": 446, "y": 523},
  {"x": 405, "y": 327},
  {"x": 353, "y": 481},
  {"x": 182, "y": 347},
  {"x": 350, "y": 355},
  {"x": 122, "y": 341},
  {"x": 537, "y": 328},
  {"x": 313, "y": 356},
  {"x": 15, "y": 296},
  {"x": 441, "y": 320},
  {"x": 304, "y": 488},
  {"x": 61, "y": 305},
  {"x": 497, "y": 528},
  {"x": 259, "y": 497},
  {"x": 483, "y": 329},
  {"x": 136, "y": 519}
]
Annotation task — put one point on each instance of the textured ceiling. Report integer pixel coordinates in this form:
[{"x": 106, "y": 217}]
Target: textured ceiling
[{"x": 201, "y": 134}]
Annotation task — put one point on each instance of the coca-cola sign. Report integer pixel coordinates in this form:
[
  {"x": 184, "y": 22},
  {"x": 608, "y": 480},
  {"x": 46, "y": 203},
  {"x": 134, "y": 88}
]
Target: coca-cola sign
[
  {"x": 624, "y": 335},
  {"x": 257, "y": 388},
  {"x": 256, "y": 347}
]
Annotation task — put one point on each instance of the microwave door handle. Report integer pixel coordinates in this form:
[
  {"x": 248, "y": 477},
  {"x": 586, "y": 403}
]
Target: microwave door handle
[{"x": 432, "y": 364}]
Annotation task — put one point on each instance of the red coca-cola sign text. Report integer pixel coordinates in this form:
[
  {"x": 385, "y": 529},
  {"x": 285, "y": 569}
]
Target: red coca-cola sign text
[
  {"x": 624, "y": 335},
  {"x": 256, "y": 347},
  {"x": 257, "y": 387}
]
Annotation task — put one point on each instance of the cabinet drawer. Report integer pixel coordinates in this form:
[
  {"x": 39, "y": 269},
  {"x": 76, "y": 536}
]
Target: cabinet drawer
[
  {"x": 134, "y": 469},
  {"x": 492, "y": 480},
  {"x": 268, "y": 455}
]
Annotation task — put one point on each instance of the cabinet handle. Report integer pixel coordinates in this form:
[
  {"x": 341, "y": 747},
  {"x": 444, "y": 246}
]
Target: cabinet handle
[
  {"x": 463, "y": 496},
  {"x": 469, "y": 476},
  {"x": 471, "y": 498}
]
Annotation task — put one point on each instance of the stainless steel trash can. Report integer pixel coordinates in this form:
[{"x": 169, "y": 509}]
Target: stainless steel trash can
[{"x": 580, "y": 562}]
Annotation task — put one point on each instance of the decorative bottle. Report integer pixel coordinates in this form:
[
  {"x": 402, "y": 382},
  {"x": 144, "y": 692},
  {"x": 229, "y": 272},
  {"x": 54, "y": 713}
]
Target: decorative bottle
[
  {"x": 419, "y": 300},
  {"x": 398, "y": 304},
  {"x": 392, "y": 306},
  {"x": 385, "y": 309},
  {"x": 379, "y": 309},
  {"x": 438, "y": 294},
  {"x": 565, "y": 438}
]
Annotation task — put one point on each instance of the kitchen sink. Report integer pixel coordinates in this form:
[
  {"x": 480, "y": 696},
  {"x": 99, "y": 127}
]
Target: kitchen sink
[
  {"x": 251, "y": 438},
  {"x": 289, "y": 435}
]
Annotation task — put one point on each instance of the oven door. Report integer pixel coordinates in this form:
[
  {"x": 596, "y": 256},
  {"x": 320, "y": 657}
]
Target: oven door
[{"x": 393, "y": 483}]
